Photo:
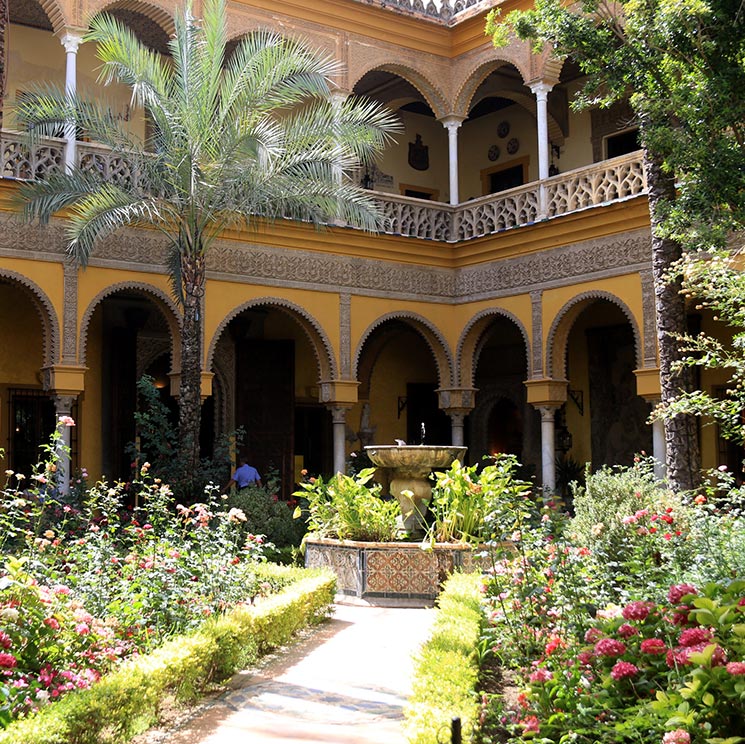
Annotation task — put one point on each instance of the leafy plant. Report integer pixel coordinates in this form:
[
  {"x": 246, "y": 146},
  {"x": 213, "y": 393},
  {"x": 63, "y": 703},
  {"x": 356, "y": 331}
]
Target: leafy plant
[{"x": 344, "y": 507}]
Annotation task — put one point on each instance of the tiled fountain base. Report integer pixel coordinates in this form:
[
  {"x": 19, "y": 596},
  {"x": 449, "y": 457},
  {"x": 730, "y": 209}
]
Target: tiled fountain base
[{"x": 388, "y": 570}]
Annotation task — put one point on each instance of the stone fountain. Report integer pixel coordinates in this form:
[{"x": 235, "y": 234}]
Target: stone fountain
[{"x": 410, "y": 467}]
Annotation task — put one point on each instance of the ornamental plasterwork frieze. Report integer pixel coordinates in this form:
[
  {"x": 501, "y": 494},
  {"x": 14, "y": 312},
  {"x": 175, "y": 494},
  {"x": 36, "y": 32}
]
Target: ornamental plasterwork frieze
[{"x": 578, "y": 262}]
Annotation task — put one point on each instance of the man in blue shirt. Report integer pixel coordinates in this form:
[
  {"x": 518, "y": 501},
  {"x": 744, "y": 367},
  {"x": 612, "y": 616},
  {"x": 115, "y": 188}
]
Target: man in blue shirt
[{"x": 244, "y": 476}]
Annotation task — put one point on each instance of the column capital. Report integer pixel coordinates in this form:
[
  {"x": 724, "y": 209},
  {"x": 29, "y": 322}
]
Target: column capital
[
  {"x": 540, "y": 88},
  {"x": 64, "y": 379},
  {"x": 71, "y": 38},
  {"x": 338, "y": 392},
  {"x": 452, "y": 122},
  {"x": 546, "y": 392},
  {"x": 338, "y": 413},
  {"x": 456, "y": 400}
]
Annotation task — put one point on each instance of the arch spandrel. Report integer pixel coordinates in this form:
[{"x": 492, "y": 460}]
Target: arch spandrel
[
  {"x": 319, "y": 341},
  {"x": 50, "y": 323},
  {"x": 61, "y": 15},
  {"x": 472, "y": 338},
  {"x": 160, "y": 299},
  {"x": 561, "y": 326},
  {"x": 429, "y": 332}
]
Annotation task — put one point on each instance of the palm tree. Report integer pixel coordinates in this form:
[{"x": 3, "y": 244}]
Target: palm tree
[{"x": 252, "y": 134}]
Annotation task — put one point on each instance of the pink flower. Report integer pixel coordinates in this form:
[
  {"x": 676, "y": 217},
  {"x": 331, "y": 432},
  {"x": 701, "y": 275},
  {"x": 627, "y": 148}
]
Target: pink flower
[
  {"x": 593, "y": 635},
  {"x": 531, "y": 724},
  {"x": 541, "y": 675},
  {"x": 623, "y": 670},
  {"x": 694, "y": 636},
  {"x": 82, "y": 629},
  {"x": 636, "y": 611},
  {"x": 676, "y": 737},
  {"x": 51, "y": 622},
  {"x": 626, "y": 631},
  {"x": 584, "y": 658},
  {"x": 5, "y": 640},
  {"x": 653, "y": 646},
  {"x": 736, "y": 667},
  {"x": 678, "y": 591},
  {"x": 8, "y": 661},
  {"x": 66, "y": 421},
  {"x": 630, "y": 519},
  {"x": 609, "y": 647}
]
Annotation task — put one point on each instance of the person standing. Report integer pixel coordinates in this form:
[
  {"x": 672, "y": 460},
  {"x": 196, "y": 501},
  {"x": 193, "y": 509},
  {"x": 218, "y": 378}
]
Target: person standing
[{"x": 244, "y": 476}]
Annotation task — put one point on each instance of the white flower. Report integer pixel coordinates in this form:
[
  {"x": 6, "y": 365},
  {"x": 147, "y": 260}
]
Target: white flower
[{"x": 236, "y": 515}]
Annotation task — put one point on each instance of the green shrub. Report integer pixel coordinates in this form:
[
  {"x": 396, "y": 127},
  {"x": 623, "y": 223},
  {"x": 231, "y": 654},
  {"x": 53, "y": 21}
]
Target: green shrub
[
  {"x": 267, "y": 515},
  {"x": 446, "y": 670},
  {"x": 345, "y": 508},
  {"x": 127, "y": 701}
]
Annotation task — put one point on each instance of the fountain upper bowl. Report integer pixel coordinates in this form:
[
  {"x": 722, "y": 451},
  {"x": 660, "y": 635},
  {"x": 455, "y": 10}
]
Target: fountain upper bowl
[{"x": 408, "y": 455}]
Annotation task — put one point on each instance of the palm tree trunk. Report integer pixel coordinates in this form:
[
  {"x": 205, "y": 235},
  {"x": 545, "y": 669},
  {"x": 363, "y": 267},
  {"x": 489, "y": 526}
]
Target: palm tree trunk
[
  {"x": 681, "y": 431},
  {"x": 190, "y": 404}
]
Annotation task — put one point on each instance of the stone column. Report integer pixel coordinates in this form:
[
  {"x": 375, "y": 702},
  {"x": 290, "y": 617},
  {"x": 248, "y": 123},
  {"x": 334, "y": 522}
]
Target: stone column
[
  {"x": 456, "y": 425},
  {"x": 339, "y": 418},
  {"x": 541, "y": 90},
  {"x": 71, "y": 41},
  {"x": 63, "y": 409},
  {"x": 548, "y": 448},
  {"x": 456, "y": 403},
  {"x": 452, "y": 124}
]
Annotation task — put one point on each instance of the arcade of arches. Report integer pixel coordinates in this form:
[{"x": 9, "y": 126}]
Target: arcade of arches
[{"x": 524, "y": 325}]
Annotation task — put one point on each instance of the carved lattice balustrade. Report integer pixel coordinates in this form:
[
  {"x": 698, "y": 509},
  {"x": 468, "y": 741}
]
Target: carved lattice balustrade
[{"x": 595, "y": 185}]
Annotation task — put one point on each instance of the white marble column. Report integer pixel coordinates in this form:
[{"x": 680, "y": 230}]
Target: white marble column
[
  {"x": 452, "y": 124},
  {"x": 339, "y": 419},
  {"x": 63, "y": 409},
  {"x": 541, "y": 90},
  {"x": 659, "y": 448},
  {"x": 71, "y": 40},
  {"x": 548, "y": 448}
]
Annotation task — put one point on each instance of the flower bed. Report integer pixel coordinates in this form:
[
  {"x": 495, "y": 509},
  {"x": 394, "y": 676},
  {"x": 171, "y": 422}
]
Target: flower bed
[
  {"x": 128, "y": 700},
  {"x": 623, "y": 623}
]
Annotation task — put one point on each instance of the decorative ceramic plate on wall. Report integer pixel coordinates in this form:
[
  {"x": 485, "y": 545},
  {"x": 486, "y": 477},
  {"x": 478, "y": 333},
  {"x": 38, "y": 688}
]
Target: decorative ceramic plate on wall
[
  {"x": 494, "y": 153},
  {"x": 513, "y": 145},
  {"x": 503, "y": 128}
]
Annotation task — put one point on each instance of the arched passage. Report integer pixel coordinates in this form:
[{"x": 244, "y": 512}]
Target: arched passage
[
  {"x": 29, "y": 336},
  {"x": 594, "y": 344},
  {"x": 128, "y": 330},
  {"x": 400, "y": 362},
  {"x": 270, "y": 357},
  {"x": 495, "y": 360}
]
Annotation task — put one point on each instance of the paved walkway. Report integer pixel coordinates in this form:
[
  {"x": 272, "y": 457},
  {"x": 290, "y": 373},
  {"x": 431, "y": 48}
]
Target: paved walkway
[{"x": 348, "y": 682}]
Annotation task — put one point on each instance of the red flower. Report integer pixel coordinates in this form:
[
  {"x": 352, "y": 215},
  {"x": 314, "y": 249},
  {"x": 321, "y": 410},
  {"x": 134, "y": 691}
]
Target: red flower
[
  {"x": 609, "y": 647},
  {"x": 653, "y": 646},
  {"x": 5, "y": 640},
  {"x": 678, "y": 591},
  {"x": 694, "y": 636},
  {"x": 8, "y": 661},
  {"x": 623, "y": 670},
  {"x": 636, "y": 611},
  {"x": 626, "y": 631}
]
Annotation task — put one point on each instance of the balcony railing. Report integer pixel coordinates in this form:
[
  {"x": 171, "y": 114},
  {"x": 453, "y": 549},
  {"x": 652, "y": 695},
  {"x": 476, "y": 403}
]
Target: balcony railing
[{"x": 595, "y": 185}]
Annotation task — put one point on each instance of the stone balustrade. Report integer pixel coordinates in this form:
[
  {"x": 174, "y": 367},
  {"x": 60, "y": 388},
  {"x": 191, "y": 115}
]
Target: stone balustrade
[{"x": 595, "y": 185}]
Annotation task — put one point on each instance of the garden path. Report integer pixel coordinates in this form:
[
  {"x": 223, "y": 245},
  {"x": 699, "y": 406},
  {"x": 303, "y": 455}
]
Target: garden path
[{"x": 348, "y": 682}]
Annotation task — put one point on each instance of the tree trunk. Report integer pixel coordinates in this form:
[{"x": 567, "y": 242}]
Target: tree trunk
[
  {"x": 190, "y": 403},
  {"x": 681, "y": 431}
]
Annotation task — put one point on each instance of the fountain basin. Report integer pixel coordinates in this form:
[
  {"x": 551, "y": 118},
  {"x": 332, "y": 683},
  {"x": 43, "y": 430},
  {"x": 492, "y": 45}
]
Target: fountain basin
[
  {"x": 410, "y": 466},
  {"x": 392, "y": 571}
]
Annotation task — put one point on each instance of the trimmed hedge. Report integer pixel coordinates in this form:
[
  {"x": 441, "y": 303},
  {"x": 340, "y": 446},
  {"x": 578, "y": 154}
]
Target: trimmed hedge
[
  {"x": 446, "y": 670},
  {"x": 127, "y": 701}
]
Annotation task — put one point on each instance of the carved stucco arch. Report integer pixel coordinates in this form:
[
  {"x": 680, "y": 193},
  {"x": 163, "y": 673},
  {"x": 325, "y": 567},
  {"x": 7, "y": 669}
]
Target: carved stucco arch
[
  {"x": 50, "y": 325},
  {"x": 160, "y": 299},
  {"x": 428, "y": 331},
  {"x": 319, "y": 341},
  {"x": 470, "y": 343},
  {"x": 161, "y": 13},
  {"x": 480, "y": 68},
  {"x": 56, "y": 14},
  {"x": 562, "y": 324},
  {"x": 419, "y": 79},
  {"x": 526, "y": 99}
]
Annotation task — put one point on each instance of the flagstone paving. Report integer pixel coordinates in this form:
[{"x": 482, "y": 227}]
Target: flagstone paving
[{"x": 348, "y": 682}]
